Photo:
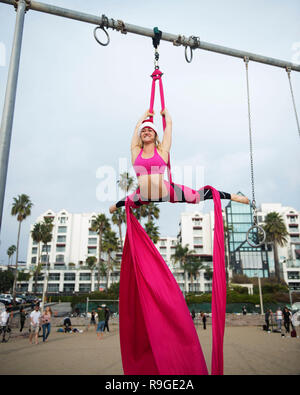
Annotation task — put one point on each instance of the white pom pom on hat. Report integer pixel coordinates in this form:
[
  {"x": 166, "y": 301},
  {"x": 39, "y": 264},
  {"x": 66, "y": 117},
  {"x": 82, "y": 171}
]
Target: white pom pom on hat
[{"x": 147, "y": 124}]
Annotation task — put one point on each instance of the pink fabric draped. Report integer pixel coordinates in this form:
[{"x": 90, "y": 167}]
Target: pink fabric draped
[{"x": 157, "y": 333}]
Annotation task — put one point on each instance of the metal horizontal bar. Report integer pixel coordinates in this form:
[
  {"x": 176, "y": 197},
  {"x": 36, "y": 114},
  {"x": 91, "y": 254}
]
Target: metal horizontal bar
[{"x": 111, "y": 23}]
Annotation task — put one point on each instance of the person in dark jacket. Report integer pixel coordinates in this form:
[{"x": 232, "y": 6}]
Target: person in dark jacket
[{"x": 106, "y": 317}]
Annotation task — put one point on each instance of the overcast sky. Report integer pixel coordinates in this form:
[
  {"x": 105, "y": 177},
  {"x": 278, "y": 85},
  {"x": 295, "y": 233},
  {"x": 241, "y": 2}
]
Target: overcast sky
[{"x": 77, "y": 103}]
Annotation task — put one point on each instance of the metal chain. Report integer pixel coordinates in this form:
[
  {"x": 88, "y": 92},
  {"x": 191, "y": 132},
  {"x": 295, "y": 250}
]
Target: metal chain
[
  {"x": 246, "y": 60},
  {"x": 288, "y": 70}
]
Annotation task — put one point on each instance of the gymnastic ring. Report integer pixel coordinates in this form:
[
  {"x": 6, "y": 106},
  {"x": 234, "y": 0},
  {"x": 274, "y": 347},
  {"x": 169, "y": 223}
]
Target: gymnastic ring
[
  {"x": 96, "y": 38},
  {"x": 191, "y": 54},
  {"x": 250, "y": 242}
]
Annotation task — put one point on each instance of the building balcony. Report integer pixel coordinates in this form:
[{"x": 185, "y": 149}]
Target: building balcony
[{"x": 294, "y": 263}]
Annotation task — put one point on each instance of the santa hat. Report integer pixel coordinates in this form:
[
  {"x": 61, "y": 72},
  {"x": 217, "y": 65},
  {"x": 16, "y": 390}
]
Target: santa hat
[{"x": 147, "y": 124}]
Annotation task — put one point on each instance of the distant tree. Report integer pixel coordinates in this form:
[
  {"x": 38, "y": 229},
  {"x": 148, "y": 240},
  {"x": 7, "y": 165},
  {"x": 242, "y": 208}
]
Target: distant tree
[
  {"x": 21, "y": 208},
  {"x": 6, "y": 280},
  {"x": 276, "y": 233},
  {"x": 10, "y": 252}
]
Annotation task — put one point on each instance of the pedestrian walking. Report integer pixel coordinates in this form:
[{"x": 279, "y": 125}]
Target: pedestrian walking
[
  {"x": 101, "y": 323},
  {"x": 93, "y": 319},
  {"x": 23, "y": 315},
  {"x": 46, "y": 323},
  {"x": 279, "y": 318},
  {"x": 268, "y": 315},
  {"x": 287, "y": 319},
  {"x": 4, "y": 317},
  {"x": 106, "y": 318},
  {"x": 203, "y": 316},
  {"x": 35, "y": 317}
]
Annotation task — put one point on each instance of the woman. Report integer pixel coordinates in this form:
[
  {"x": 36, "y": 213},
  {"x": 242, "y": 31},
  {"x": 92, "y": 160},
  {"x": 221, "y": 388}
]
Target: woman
[
  {"x": 149, "y": 159},
  {"x": 46, "y": 323}
]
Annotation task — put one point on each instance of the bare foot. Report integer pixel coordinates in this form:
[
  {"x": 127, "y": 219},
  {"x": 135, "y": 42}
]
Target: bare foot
[
  {"x": 240, "y": 199},
  {"x": 113, "y": 208}
]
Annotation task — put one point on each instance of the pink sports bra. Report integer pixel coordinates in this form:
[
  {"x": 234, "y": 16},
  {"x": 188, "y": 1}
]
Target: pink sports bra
[{"x": 153, "y": 165}]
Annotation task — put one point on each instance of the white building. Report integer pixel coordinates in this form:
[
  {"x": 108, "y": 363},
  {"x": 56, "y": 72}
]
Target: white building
[
  {"x": 72, "y": 243},
  {"x": 289, "y": 255}
]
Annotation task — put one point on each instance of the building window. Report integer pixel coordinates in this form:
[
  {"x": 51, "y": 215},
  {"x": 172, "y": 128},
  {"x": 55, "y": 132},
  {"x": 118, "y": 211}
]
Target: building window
[
  {"x": 69, "y": 276},
  {"x": 85, "y": 277},
  {"x": 33, "y": 259},
  {"x": 60, "y": 248},
  {"x": 34, "y": 250},
  {"x": 92, "y": 240},
  {"x": 61, "y": 239},
  {"x": 92, "y": 233},
  {"x": 69, "y": 287},
  {"x": 294, "y": 275},
  {"x": 84, "y": 287},
  {"x": 198, "y": 240},
  {"x": 44, "y": 258},
  {"x": 54, "y": 277},
  {"x": 197, "y": 232},
  {"x": 62, "y": 229},
  {"x": 92, "y": 250},
  {"x": 60, "y": 258},
  {"x": 53, "y": 288},
  {"x": 62, "y": 220}
]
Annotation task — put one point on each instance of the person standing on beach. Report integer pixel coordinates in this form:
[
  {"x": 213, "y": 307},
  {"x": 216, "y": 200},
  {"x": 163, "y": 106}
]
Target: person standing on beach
[
  {"x": 93, "y": 320},
  {"x": 203, "y": 315},
  {"x": 101, "y": 323},
  {"x": 279, "y": 318},
  {"x": 267, "y": 319},
  {"x": 46, "y": 323},
  {"x": 287, "y": 319},
  {"x": 35, "y": 317},
  {"x": 22, "y": 318},
  {"x": 106, "y": 318}
]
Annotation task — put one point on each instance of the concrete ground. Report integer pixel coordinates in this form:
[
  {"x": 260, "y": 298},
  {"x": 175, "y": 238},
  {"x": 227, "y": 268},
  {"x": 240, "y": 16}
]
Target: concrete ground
[{"x": 247, "y": 351}]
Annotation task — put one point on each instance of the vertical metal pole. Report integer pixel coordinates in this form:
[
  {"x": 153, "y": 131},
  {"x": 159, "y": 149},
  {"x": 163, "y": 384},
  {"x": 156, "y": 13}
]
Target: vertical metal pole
[
  {"x": 9, "y": 103},
  {"x": 260, "y": 297}
]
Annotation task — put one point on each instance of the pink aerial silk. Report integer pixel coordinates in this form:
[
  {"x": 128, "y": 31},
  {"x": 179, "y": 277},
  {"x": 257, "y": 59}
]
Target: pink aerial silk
[{"x": 157, "y": 333}]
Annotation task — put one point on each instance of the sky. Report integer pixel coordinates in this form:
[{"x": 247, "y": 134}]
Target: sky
[{"x": 78, "y": 103}]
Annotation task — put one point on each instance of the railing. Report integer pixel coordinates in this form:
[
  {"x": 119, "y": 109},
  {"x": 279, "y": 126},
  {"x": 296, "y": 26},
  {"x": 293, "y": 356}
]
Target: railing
[{"x": 293, "y": 263}]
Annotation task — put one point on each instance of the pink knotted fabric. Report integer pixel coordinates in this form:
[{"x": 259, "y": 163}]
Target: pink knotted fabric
[{"x": 157, "y": 333}]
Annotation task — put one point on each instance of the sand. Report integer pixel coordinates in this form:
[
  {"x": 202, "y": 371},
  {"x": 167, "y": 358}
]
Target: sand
[{"x": 247, "y": 351}]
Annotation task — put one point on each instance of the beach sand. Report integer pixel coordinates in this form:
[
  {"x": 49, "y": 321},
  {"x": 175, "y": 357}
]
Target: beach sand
[{"x": 248, "y": 350}]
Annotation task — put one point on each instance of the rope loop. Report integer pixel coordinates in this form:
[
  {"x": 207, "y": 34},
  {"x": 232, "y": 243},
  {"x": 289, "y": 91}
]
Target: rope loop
[{"x": 104, "y": 24}]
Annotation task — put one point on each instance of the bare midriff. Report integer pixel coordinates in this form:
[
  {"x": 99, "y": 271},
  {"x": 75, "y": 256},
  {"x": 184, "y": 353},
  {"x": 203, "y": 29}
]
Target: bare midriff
[{"x": 152, "y": 186}]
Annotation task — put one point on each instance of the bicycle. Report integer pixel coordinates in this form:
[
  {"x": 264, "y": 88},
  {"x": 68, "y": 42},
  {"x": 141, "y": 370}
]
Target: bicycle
[{"x": 5, "y": 331}]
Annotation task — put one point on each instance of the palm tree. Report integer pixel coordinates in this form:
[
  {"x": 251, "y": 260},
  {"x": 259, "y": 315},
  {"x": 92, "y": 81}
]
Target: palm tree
[
  {"x": 99, "y": 225},
  {"x": 181, "y": 255},
  {"x": 152, "y": 231},
  {"x": 276, "y": 233},
  {"x": 125, "y": 182},
  {"x": 192, "y": 267},
  {"x": 110, "y": 245},
  {"x": 91, "y": 263},
  {"x": 46, "y": 231},
  {"x": 118, "y": 218},
  {"x": 151, "y": 211},
  {"x": 10, "y": 252},
  {"x": 36, "y": 235},
  {"x": 21, "y": 208}
]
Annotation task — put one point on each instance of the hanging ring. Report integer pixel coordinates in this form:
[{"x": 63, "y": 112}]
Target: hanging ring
[
  {"x": 260, "y": 230},
  {"x": 97, "y": 39},
  {"x": 189, "y": 60}
]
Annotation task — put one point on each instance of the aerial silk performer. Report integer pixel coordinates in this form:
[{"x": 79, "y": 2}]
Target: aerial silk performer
[{"x": 157, "y": 333}]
